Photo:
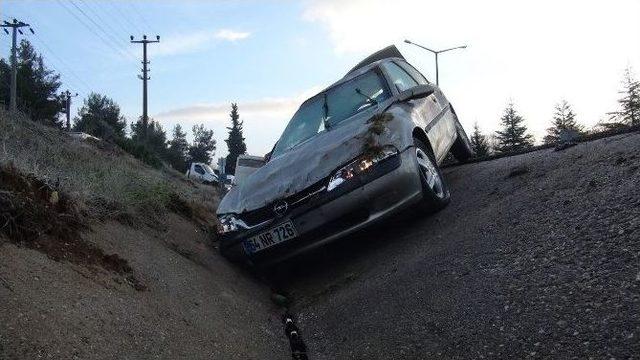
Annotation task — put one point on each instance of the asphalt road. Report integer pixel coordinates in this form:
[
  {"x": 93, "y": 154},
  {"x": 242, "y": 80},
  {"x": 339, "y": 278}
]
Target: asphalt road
[{"x": 537, "y": 256}]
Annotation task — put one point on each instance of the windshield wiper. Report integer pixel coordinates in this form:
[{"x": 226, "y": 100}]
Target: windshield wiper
[
  {"x": 369, "y": 98},
  {"x": 325, "y": 107}
]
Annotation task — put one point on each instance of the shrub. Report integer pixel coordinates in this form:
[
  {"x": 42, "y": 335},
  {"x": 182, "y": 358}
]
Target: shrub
[{"x": 140, "y": 152}]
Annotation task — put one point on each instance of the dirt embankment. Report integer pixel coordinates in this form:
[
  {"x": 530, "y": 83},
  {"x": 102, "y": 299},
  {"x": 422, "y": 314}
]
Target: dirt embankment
[{"x": 102, "y": 257}]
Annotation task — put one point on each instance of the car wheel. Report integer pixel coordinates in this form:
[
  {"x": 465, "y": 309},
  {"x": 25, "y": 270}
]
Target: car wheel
[
  {"x": 462, "y": 149},
  {"x": 434, "y": 189}
]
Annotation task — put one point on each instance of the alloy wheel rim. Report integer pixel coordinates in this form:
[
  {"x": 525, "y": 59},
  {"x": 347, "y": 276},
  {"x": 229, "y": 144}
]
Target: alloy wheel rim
[{"x": 430, "y": 173}]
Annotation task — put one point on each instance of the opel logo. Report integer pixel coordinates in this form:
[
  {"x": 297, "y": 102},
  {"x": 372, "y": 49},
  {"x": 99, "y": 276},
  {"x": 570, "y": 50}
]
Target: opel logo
[{"x": 281, "y": 208}]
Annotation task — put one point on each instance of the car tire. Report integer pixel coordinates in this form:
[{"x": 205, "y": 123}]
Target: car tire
[
  {"x": 461, "y": 148},
  {"x": 435, "y": 192}
]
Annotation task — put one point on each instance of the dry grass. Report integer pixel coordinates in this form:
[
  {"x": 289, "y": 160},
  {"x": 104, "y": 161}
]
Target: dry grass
[{"x": 103, "y": 181}]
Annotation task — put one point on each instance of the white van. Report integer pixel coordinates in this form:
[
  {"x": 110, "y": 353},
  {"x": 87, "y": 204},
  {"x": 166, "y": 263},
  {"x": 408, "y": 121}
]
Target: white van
[{"x": 203, "y": 173}]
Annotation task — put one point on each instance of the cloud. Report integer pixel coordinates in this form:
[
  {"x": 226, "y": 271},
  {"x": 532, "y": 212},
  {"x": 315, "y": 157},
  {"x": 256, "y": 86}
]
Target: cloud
[
  {"x": 268, "y": 108},
  {"x": 534, "y": 51},
  {"x": 186, "y": 43},
  {"x": 231, "y": 35},
  {"x": 264, "y": 119}
]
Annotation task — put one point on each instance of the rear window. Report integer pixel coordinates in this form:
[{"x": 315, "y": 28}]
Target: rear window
[
  {"x": 252, "y": 163},
  {"x": 415, "y": 74},
  {"x": 400, "y": 78}
]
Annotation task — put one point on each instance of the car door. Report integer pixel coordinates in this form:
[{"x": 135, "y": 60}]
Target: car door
[
  {"x": 448, "y": 127},
  {"x": 430, "y": 108}
]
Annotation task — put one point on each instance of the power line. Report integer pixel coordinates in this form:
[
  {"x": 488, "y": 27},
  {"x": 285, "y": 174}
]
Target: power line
[
  {"x": 115, "y": 40},
  {"x": 51, "y": 52},
  {"x": 117, "y": 20},
  {"x": 103, "y": 21},
  {"x": 59, "y": 59},
  {"x": 140, "y": 14},
  {"x": 125, "y": 17},
  {"x": 105, "y": 41},
  {"x": 63, "y": 63}
]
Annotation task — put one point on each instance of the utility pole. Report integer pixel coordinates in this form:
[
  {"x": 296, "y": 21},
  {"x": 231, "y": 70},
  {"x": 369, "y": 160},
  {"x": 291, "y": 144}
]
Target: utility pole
[
  {"x": 15, "y": 28},
  {"x": 66, "y": 96},
  {"x": 145, "y": 78}
]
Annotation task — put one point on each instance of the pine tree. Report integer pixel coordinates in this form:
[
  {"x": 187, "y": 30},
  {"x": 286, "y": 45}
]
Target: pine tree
[
  {"x": 178, "y": 149},
  {"x": 204, "y": 145},
  {"x": 37, "y": 86},
  {"x": 100, "y": 116},
  {"x": 564, "y": 119},
  {"x": 156, "y": 138},
  {"x": 235, "y": 141},
  {"x": 479, "y": 142},
  {"x": 513, "y": 136},
  {"x": 629, "y": 112}
]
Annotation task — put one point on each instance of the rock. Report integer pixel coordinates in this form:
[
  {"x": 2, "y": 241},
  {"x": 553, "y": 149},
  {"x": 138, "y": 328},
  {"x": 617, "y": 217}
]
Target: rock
[{"x": 54, "y": 198}]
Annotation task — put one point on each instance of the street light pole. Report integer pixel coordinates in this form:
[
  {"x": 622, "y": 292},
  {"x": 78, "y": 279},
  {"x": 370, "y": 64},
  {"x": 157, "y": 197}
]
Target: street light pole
[
  {"x": 436, "y": 53},
  {"x": 437, "y": 71}
]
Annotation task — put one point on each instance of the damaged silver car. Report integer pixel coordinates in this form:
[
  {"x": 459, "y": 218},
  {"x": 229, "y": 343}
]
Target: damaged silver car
[{"x": 366, "y": 147}]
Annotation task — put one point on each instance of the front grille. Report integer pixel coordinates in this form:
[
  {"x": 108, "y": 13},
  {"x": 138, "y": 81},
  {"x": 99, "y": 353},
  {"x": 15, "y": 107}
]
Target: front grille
[{"x": 294, "y": 201}]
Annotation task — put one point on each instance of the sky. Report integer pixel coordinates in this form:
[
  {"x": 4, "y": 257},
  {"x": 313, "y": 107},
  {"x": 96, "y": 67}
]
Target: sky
[{"x": 269, "y": 56}]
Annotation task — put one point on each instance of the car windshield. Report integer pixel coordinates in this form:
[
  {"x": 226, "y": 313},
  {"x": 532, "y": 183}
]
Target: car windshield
[{"x": 331, "y": 107}]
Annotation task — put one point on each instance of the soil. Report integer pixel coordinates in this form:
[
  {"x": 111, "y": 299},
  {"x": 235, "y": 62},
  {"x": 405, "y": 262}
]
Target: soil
[{"x": 194, "y": 304}]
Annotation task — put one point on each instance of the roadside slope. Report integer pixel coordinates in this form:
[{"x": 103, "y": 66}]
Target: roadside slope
[
  {"x": 103, "y": 257},
  {"x": 536, "y": 256}
]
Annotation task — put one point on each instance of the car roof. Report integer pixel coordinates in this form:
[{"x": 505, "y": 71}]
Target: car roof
[
  {"x": 253, "y": 157},
  {"x": 386, "y": 53},
  {"x": 354, "y": 73}
]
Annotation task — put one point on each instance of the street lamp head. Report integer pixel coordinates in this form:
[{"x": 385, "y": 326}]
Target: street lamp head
[
  {"x": 131, "y": 37},
  {"x": 463, "y": 46},
  {"x": 408, "y": 42},
  {"x": 158, "y": 37}
]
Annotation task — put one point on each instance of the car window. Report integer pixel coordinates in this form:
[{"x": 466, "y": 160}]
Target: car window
[
  {"x": 251, "y": 163},
  {"x": 199, "y": 169},
  {"x": 333, "y": 107},
  {"x": 399, "y": 77},
  {"x": 415, "y": 74}
]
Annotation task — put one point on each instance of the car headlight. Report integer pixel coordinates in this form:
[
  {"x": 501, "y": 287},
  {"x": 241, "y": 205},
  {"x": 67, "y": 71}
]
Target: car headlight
[
  {"x": 230, "y": 223},
  {"x": 360, "y": 165}
]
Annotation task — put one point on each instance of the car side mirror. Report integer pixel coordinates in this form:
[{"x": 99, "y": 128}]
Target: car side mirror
[{"x": 416, "y": 92}]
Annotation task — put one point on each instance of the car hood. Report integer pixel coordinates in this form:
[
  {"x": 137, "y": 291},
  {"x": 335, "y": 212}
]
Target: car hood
[{"x": 299, "y": 167}]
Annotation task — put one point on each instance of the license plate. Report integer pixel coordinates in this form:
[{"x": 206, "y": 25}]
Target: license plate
[{"x": 271, "y": 237}]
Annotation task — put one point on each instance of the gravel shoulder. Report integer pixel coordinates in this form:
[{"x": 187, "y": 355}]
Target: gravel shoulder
[{"x": 537, "y": 256}]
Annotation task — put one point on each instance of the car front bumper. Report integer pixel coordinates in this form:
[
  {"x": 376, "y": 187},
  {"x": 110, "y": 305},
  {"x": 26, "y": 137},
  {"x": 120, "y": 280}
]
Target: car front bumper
[{"x": 391, "y": 186}]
